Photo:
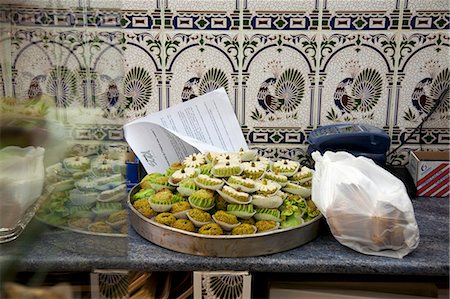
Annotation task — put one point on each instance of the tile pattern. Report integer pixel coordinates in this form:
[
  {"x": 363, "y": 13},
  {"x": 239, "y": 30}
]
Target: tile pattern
[
  {"x": 288, "y": 66},
  {"x": 360, "y": 15}
]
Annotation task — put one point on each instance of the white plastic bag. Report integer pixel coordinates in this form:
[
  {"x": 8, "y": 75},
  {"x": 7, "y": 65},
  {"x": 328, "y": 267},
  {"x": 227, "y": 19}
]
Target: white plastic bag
[{"x": 366, "y": 207}]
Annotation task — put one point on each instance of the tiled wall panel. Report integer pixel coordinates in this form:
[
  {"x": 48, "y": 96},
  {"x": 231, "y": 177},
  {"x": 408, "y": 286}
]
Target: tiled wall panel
[{"x": 287, "y": 66}]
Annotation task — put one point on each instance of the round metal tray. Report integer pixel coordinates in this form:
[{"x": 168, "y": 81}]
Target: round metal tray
[{"x": 224, "y": 245}]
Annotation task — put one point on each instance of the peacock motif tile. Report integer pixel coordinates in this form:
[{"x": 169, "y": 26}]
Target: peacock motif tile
[
  {"x": 89, "y": 76},
  {"x": 298, "y": 15},
  {"x": 424, "y": 79},
  {"x": 197, "y": 63},
  {"x": 356, "y": 78},
  {"x": 278, "y": 87},
  {"x": 201, "y": 14},
  {"x": 360, "y": 15}
]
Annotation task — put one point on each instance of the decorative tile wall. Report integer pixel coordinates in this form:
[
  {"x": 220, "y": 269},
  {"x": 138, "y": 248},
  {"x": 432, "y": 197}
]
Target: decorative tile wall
[{"x": 287, "y": 66}]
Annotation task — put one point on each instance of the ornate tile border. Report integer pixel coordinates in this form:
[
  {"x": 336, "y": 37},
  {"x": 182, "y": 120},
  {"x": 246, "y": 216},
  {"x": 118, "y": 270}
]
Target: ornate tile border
[
  {"x": 426, "y": 15},
  {"x": 285, "y": 15},
  {"x": 201, "y": 14},
  {"x": 360, "y": 15}
]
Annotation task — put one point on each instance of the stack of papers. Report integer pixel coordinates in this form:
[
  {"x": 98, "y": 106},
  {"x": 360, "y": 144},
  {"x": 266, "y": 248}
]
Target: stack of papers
[{"x": 206, "y": 123}]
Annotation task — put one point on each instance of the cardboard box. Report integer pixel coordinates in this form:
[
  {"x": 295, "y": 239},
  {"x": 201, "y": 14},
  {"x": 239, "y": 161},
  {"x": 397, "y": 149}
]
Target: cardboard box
[{"x": 430, "y": 172}]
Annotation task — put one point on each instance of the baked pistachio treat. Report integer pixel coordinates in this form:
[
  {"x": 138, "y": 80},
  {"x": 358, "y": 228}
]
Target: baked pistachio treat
[
  {"x": 143, "y": 193},
  {"x": 194, "y": 160},
  {"x": 182, "y": 174},
  {"x": 200, "y": 215},
  {"x": 253, "y": 170},
  {"x": 241, "y": 211},
  {"x": 234, "y": 196},
  {"x": 221, "y": 204},
  {"x": 187, "y": 187},
  {"x": 211, "y": 229},
  {"x": 267, "y": 187},
  {"x": 143, "y": 207},
  {"x": 118, "y": 216},
  {"x": 248, "y": 221},
  {"x": 100, "y": 227},
  {"x": 223, "y": 158},
  {"x": 77, "y": 163},
  {"x": 285, "y": 167},
  {"x": 184, "y": 224},
  {"x": 161, "y": 201},
  {"x": 263, "y": 161},
  {"x": 161, "y": 182},
  {"x": 148, "y": 179},
  {"x": 205, "y": 169},
  {"x": 227, "y": 169},
  {"x": 305, "y": 174},
  {"x": 266, "y": 225},
  {"x": 242, "y": 184},
  {"x": 174, "y": 167},
  {"x": 297, "y": 189},
  {"x": 180, "y": 207},
  {"x": 244, "y": 229},
  {"x": 80, "y": 223},
  {"x": 276, "y": 177},
  {"x": 268, "y": 214},
  {"x": 207, "y": 182},
  {"x": 247, "y": 155},
  {"x": 165, "y": 218},
  {"x": 202, "y": 199},
  {"x": 225, "y": 217}
]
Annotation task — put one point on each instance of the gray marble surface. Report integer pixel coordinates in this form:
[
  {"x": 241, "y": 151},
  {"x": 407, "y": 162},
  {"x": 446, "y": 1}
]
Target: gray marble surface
[{"x": 44, "y": 248}]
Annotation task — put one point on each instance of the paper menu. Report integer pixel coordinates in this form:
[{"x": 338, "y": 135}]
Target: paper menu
[{"x": 206, "y": 123}]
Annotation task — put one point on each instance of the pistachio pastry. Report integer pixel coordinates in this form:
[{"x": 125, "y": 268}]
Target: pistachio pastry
[
  {"x": 253, "y": 170},
  {"x": 226, "y": 169},
  {"x": 165, "y": 218},
  {"x": 194, "y": 160},
  {"x": 268, "y": 188},
  {"x": 285, "y": 167},
  {"x": 202, "y": 199},
  {"x": 297, "y": 189},
  {"x": 77, "y": 163},
  {"x": 247, "y": 155},
  {"x": 222, "y": 158},
  {"x": 187, "y": 187},
  {"x": 244, "y": 229},
  {"x": 211, "y": 229},
  {"x": 182, "y": 174},
  {"x": 226, "y": 220},
  {"x": 161, "y": 201},
  {"x": 174, "y": 167},
  {"x": 242, "y": 184},
  {"x": 304, "y": 175},
  {"x": 276, "y": 177},
  {"x": 241, "y": 211},
  {"x": 268, "y": 202},
  {"x": 184, "y": 224},
  {"x": 199, "y": 217},
  {"x": 268, "y": 214},
  {"x": 232, "y": 195},
  {"x": 206, "y": 182},
  {"x": 266, "y": 225}
]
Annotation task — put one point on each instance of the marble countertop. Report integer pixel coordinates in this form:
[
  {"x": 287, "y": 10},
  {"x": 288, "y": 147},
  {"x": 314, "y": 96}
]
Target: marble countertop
[{"x": 43, "y": 248}]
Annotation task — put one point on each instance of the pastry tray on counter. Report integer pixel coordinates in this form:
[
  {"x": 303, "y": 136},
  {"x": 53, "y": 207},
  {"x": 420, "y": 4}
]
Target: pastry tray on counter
[{"x": 224, "y": 245}]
